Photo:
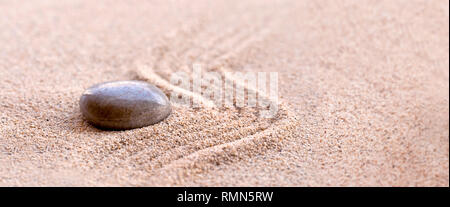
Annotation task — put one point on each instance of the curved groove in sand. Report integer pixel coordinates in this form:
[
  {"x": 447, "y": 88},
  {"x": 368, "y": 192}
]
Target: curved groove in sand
[
  {"x": 204, "y": 159},
  {"x": 248, "y": 137}
]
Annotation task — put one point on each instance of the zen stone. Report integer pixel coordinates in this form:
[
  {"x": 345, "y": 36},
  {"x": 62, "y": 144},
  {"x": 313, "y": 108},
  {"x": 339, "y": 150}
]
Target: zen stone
[{"x": 124, "y": 105}]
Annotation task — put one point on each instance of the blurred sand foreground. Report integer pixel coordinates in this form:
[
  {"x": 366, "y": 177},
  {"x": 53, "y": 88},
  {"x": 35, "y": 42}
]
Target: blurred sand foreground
[{"x": 364, "y": 86}]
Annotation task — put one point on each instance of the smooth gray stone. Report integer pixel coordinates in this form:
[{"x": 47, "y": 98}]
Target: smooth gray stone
[{"x": 124, "y": 105}]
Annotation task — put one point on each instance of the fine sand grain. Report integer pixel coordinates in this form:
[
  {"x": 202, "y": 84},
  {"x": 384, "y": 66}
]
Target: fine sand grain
[{"x": 363, "y": 92}]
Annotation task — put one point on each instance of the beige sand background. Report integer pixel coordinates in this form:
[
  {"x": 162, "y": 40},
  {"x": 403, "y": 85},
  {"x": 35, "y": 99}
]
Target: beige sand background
[{"x": 364, "y": 87}]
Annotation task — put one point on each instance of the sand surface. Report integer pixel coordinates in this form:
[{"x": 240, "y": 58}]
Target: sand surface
[{"x": 363, "y": 91}]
